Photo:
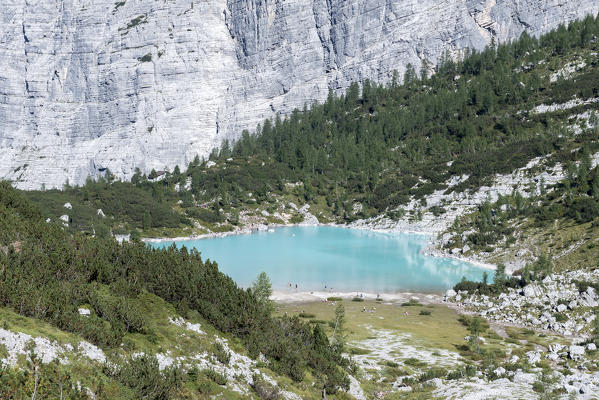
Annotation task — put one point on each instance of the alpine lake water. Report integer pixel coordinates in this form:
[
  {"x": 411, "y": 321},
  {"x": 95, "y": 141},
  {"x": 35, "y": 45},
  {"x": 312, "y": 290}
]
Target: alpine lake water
[{"x": 341, "y": 259}]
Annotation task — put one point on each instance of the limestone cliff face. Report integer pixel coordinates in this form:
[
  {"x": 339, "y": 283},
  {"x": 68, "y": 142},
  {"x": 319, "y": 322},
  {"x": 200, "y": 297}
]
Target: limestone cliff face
[{"x": 92, "y": 84}]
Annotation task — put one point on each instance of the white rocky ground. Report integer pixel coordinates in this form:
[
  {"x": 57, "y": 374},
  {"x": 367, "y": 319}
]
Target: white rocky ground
[
  {"x": 239, "y": 371},
  {"x": 478, "y": 389},
  {"x": 538, "y": 306},
  {"x": 457, "y": 204},
  {"x": 18, "y": 344},
  {"x": 540, "y": 303},
  {"x": 508, "y": 380},
  {"x": 386, "y": 345}
]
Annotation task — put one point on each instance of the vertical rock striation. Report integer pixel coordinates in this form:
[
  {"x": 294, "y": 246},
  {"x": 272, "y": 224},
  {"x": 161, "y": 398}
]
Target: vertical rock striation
[{"x": 87, "y": 85}]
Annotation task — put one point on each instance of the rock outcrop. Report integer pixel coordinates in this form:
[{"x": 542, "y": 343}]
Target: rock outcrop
[{"x": 88, "y": 85}]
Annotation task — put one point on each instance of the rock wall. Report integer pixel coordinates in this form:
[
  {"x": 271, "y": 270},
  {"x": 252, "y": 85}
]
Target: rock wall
[{"x": 87, "y": 85}]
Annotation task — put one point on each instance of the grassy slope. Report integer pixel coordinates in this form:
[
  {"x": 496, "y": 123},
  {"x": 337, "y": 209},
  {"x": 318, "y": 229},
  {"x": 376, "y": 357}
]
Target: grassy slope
[
  {"x": 574, "y": 246},
  {"x": 165, "y": 337},
  {"x": 438, "y": 337}
]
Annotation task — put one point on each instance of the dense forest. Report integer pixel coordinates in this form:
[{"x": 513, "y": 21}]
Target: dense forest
[
  {"x": 376, "y": 146},
  {"x": 47, "y": 273}
]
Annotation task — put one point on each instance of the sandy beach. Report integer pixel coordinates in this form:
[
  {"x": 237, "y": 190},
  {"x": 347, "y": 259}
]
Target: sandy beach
[{"x": 291, "y": 296}]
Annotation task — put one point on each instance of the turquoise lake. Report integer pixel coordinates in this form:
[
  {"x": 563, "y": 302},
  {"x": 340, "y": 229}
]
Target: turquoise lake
[{"x": 338, "y": 258}]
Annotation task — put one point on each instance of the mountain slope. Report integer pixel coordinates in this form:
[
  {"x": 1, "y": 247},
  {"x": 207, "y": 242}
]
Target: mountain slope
[
  {"x": 150, "y": 84},
  {"x": 411, "y": 155},
  {"x": 124, "y": 298}
]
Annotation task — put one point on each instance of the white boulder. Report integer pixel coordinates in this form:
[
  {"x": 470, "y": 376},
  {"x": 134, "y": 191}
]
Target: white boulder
[
  {"x": 533, "y": 357},
  {"x": 576, "y": 352},
  {"x": 561, "y": 307},
  {"x": 591, "y": 347},
  {"x": 524, "y": 377}
]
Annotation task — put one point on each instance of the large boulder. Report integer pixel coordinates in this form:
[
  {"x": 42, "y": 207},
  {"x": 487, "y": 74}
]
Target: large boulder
[
  {"x": 556, "y": 347},
  {"x": 561, "y": 308},
  {"x": 532, "y": 291},
  {"x": 533, "y": 357},
  {"x": 524, "y": 377},
  {"x": 576, "y": 352},
  {"x": 591, "y": 347}
]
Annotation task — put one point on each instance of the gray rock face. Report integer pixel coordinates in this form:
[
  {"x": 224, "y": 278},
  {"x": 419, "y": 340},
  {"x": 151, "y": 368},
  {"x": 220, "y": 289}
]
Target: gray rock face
[{"x": 87, "y": 85}]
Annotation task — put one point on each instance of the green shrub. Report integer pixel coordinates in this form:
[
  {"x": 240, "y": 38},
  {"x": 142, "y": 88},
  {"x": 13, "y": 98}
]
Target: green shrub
[
  {"x": 306, "y": 315},
  {"x": 334, "y": 298},
  {"x": 357, "y": 299},
  {"x": 560, "y": 317},
  {"x": 265, "y": 390},
  {"x": 296, "y": 219},
  {"x": 146, "y": 58},
  {"x": 216, "y": 377},
  {"x": 206, "y": 387},
  {"x": 221, "y": 354},
  {"x": 425, "y": 312},
  {"x": 433, "y": 373},
  {"x": 358, "y": 351},
  {"x": 466, "y": 371},
  {"x": 412, "y": 303},
  {"x": 414, "y": 362},
  {"x": 143, "y": 376},
  {"x": 538, "y": 387},
  {"x": 584, "y": 285}
]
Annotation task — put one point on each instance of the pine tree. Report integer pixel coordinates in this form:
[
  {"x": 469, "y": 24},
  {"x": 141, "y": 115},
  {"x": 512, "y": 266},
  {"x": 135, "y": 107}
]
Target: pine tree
[
  {"x": 500, "y": 276},
  {"x": 339, "y": 330},
  {"x": 147, "y": 221}
]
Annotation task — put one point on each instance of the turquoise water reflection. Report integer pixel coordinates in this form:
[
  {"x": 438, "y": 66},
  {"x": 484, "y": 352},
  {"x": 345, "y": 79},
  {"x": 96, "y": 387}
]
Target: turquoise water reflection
[{"x": 344, "y": 259}]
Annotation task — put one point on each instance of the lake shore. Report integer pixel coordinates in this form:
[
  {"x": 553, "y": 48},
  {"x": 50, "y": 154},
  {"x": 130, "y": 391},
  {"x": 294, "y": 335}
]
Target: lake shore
[
  {"x": 241, "y": 231},
  {"x": 293, "y": 297}
]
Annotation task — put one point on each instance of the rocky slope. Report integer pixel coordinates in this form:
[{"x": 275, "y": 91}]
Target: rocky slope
[{"x": 89, "y": 85}]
